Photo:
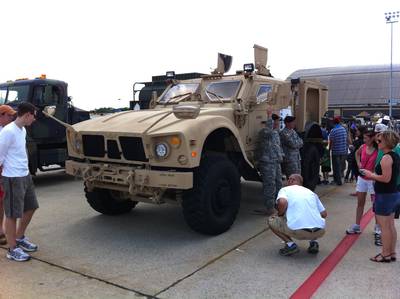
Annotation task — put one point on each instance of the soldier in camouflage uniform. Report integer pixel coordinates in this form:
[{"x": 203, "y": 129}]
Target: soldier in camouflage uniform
[
  {"x": 291, "y": 144},
  {"x": 268, "y": 156}
]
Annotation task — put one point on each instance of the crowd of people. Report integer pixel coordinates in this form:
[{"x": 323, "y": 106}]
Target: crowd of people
[{"x": 372, "y": 157}]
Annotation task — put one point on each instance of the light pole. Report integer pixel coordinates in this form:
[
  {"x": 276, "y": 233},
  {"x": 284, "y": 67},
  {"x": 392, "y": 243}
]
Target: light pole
[{"x": 391, "y": 18}]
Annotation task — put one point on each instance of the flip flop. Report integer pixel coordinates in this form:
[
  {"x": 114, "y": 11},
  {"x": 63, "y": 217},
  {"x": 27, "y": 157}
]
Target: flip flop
[{"x": 379, "y": 258}]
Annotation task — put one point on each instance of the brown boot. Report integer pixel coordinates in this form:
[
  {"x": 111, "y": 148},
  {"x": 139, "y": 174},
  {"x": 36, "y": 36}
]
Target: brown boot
[
  {"x": 3, "y": 240},
  {"x": 265, "y": 212}
]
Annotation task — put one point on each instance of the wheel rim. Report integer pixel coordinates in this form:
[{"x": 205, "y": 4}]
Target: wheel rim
[{"x": 221, "y": 198}]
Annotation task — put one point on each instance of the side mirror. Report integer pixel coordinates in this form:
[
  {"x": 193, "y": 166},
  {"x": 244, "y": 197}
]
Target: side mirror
[
  {"x": 186, "y": 111},
  {"x": 153, "y": 101},
  {"x": 49, "y": 110}
]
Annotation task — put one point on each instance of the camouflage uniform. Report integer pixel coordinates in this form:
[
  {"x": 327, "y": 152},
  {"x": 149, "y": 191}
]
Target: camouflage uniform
[
  {"x": 268, "y": 156},
  {"x": 291, "y": 144}
]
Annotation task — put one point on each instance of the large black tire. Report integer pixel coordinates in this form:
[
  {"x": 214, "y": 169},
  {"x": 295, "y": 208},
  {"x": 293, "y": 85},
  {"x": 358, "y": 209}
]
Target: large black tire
[
  {"x": 310, "y": 166},
  {"x": 211, "y": 206},
  {"x": 107, "y": 203}
]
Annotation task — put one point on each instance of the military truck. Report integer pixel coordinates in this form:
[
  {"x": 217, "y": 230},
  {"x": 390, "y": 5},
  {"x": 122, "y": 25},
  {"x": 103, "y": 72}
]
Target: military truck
[
  {"x": 193, "y": 144},
  {"x": 46, "y": 139}
]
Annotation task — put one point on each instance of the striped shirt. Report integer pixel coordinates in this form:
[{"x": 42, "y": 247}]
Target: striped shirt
[{"x": 338, "y": 140}]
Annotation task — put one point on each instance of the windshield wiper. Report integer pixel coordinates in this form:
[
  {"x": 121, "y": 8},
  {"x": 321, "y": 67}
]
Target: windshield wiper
[
  {"x": 178, "y": 96},
  {"x": 216, "y": 95}
]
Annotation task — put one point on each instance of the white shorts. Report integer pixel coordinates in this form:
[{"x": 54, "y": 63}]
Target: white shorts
[{"x": 364, "y": 185}]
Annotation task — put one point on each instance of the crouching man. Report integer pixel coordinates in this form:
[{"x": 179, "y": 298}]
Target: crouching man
[{"x": 301, "y": 216}]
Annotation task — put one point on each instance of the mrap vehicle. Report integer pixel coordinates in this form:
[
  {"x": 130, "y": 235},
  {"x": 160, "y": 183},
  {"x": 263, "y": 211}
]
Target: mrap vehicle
[
  {"x": 46, "y": 139},
  {"x": 194, "y": 143}
]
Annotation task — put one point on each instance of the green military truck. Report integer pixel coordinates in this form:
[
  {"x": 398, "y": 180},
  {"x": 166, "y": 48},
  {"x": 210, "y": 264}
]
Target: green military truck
[{"x": 46, "y": 140}]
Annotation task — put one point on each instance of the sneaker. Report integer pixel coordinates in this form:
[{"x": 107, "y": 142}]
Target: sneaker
[
  {"x": 313, "y": 248},
  {"x": 286, "y": 251},
  {"x": 26, "y": 245},
  {"x": 18, "y": 255},
  {"x": 378, "y": 239},
  {"x": 354, "y": 229},
  {"x": 377, "y": 229}
]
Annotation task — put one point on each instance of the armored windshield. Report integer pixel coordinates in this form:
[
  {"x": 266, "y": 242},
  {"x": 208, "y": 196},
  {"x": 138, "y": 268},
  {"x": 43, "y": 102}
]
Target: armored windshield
[
  {"x": 222, "y": 91},
  {"x": 14, "y": 94},
  {"x": 179, "y": 90}
]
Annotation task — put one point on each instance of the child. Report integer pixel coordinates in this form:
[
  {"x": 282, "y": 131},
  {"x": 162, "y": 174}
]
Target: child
[{"x": 326, "y": 165}]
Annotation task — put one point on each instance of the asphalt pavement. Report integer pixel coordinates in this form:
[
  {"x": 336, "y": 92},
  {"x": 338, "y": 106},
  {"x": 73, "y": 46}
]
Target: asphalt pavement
[{"x": 151, "y": 252}]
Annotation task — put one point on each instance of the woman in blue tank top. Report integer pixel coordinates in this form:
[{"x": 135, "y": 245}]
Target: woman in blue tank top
[{"x": 386, "y": 194}]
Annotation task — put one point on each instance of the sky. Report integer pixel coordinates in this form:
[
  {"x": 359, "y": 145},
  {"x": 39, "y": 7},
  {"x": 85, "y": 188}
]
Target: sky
[{"x": 100, "y": 48}]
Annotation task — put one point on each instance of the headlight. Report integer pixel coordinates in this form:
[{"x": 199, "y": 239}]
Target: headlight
[
  {"x": 78, "y": 145},
  {"x": 75, "y": 141},
  {"x": 162, "y": 150}
]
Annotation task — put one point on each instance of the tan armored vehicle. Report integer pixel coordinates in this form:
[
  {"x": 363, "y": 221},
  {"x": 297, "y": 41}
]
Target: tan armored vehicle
[{"x": 194, "y": 143}]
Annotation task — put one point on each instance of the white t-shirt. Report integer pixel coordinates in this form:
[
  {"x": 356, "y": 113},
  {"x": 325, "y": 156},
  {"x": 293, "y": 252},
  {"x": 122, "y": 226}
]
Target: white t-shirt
[
  {"x": 304, "y": 207},
  {"x": 13, "y": 156}
]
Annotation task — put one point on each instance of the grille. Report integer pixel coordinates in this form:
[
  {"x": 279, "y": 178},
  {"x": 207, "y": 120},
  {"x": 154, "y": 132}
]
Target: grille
[
  {"x": 113, "y": 150},
  {"x": 132, "y": 148},
  {"x": 93, "y": 145}
]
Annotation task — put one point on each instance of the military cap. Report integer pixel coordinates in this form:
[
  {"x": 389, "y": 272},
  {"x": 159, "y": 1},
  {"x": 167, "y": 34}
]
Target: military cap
[
  {"x": 275, "y": 117},
  {"x": 289, "y": 119}
]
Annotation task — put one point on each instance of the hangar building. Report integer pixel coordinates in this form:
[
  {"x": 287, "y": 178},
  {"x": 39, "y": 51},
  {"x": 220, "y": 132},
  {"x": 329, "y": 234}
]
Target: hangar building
[{"x": 357, "y": 89}]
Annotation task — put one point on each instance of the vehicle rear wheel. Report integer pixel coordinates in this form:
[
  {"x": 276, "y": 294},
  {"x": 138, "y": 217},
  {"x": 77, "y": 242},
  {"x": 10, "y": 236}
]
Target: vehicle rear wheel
[
  {"x": 211, "y": 206},
  {"x": 310, "y": 166},
  {"x": 108, "y": 202}
]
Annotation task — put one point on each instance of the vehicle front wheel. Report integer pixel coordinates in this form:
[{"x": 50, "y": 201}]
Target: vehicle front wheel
[
  {"x": 211, "y": 206},
  {"x": 108, "y": 202}
]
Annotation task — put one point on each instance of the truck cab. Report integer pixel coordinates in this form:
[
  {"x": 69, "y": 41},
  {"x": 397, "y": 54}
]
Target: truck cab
[{"x": 46, "y": 139}]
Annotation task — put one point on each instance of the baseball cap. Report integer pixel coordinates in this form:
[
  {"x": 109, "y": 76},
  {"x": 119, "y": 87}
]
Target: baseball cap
[
  {"x": 337, "y": 119},
  {"x": 5, "y": 109},
  {"x": 289, "y": 119},
  {"x": 380, "y": 128}
]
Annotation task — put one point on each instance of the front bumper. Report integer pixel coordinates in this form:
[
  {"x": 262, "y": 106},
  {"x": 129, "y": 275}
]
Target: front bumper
[{"x": 126, "y": 178}]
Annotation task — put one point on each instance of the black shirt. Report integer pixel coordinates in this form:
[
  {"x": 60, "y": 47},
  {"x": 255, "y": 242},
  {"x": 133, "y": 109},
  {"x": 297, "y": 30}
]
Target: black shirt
[{"x": 391, "y": 186}]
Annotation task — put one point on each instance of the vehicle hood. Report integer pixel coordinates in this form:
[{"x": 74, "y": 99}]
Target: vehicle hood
[{"x": 150, "y": 121}]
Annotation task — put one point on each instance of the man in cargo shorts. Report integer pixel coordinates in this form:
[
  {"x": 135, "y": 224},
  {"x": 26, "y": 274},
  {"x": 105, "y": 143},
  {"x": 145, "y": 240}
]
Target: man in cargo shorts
[
  {"x": 301, "y": 216},
  {"x": 20, "y": 199},
  {"x": 6, "y": 116}
]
